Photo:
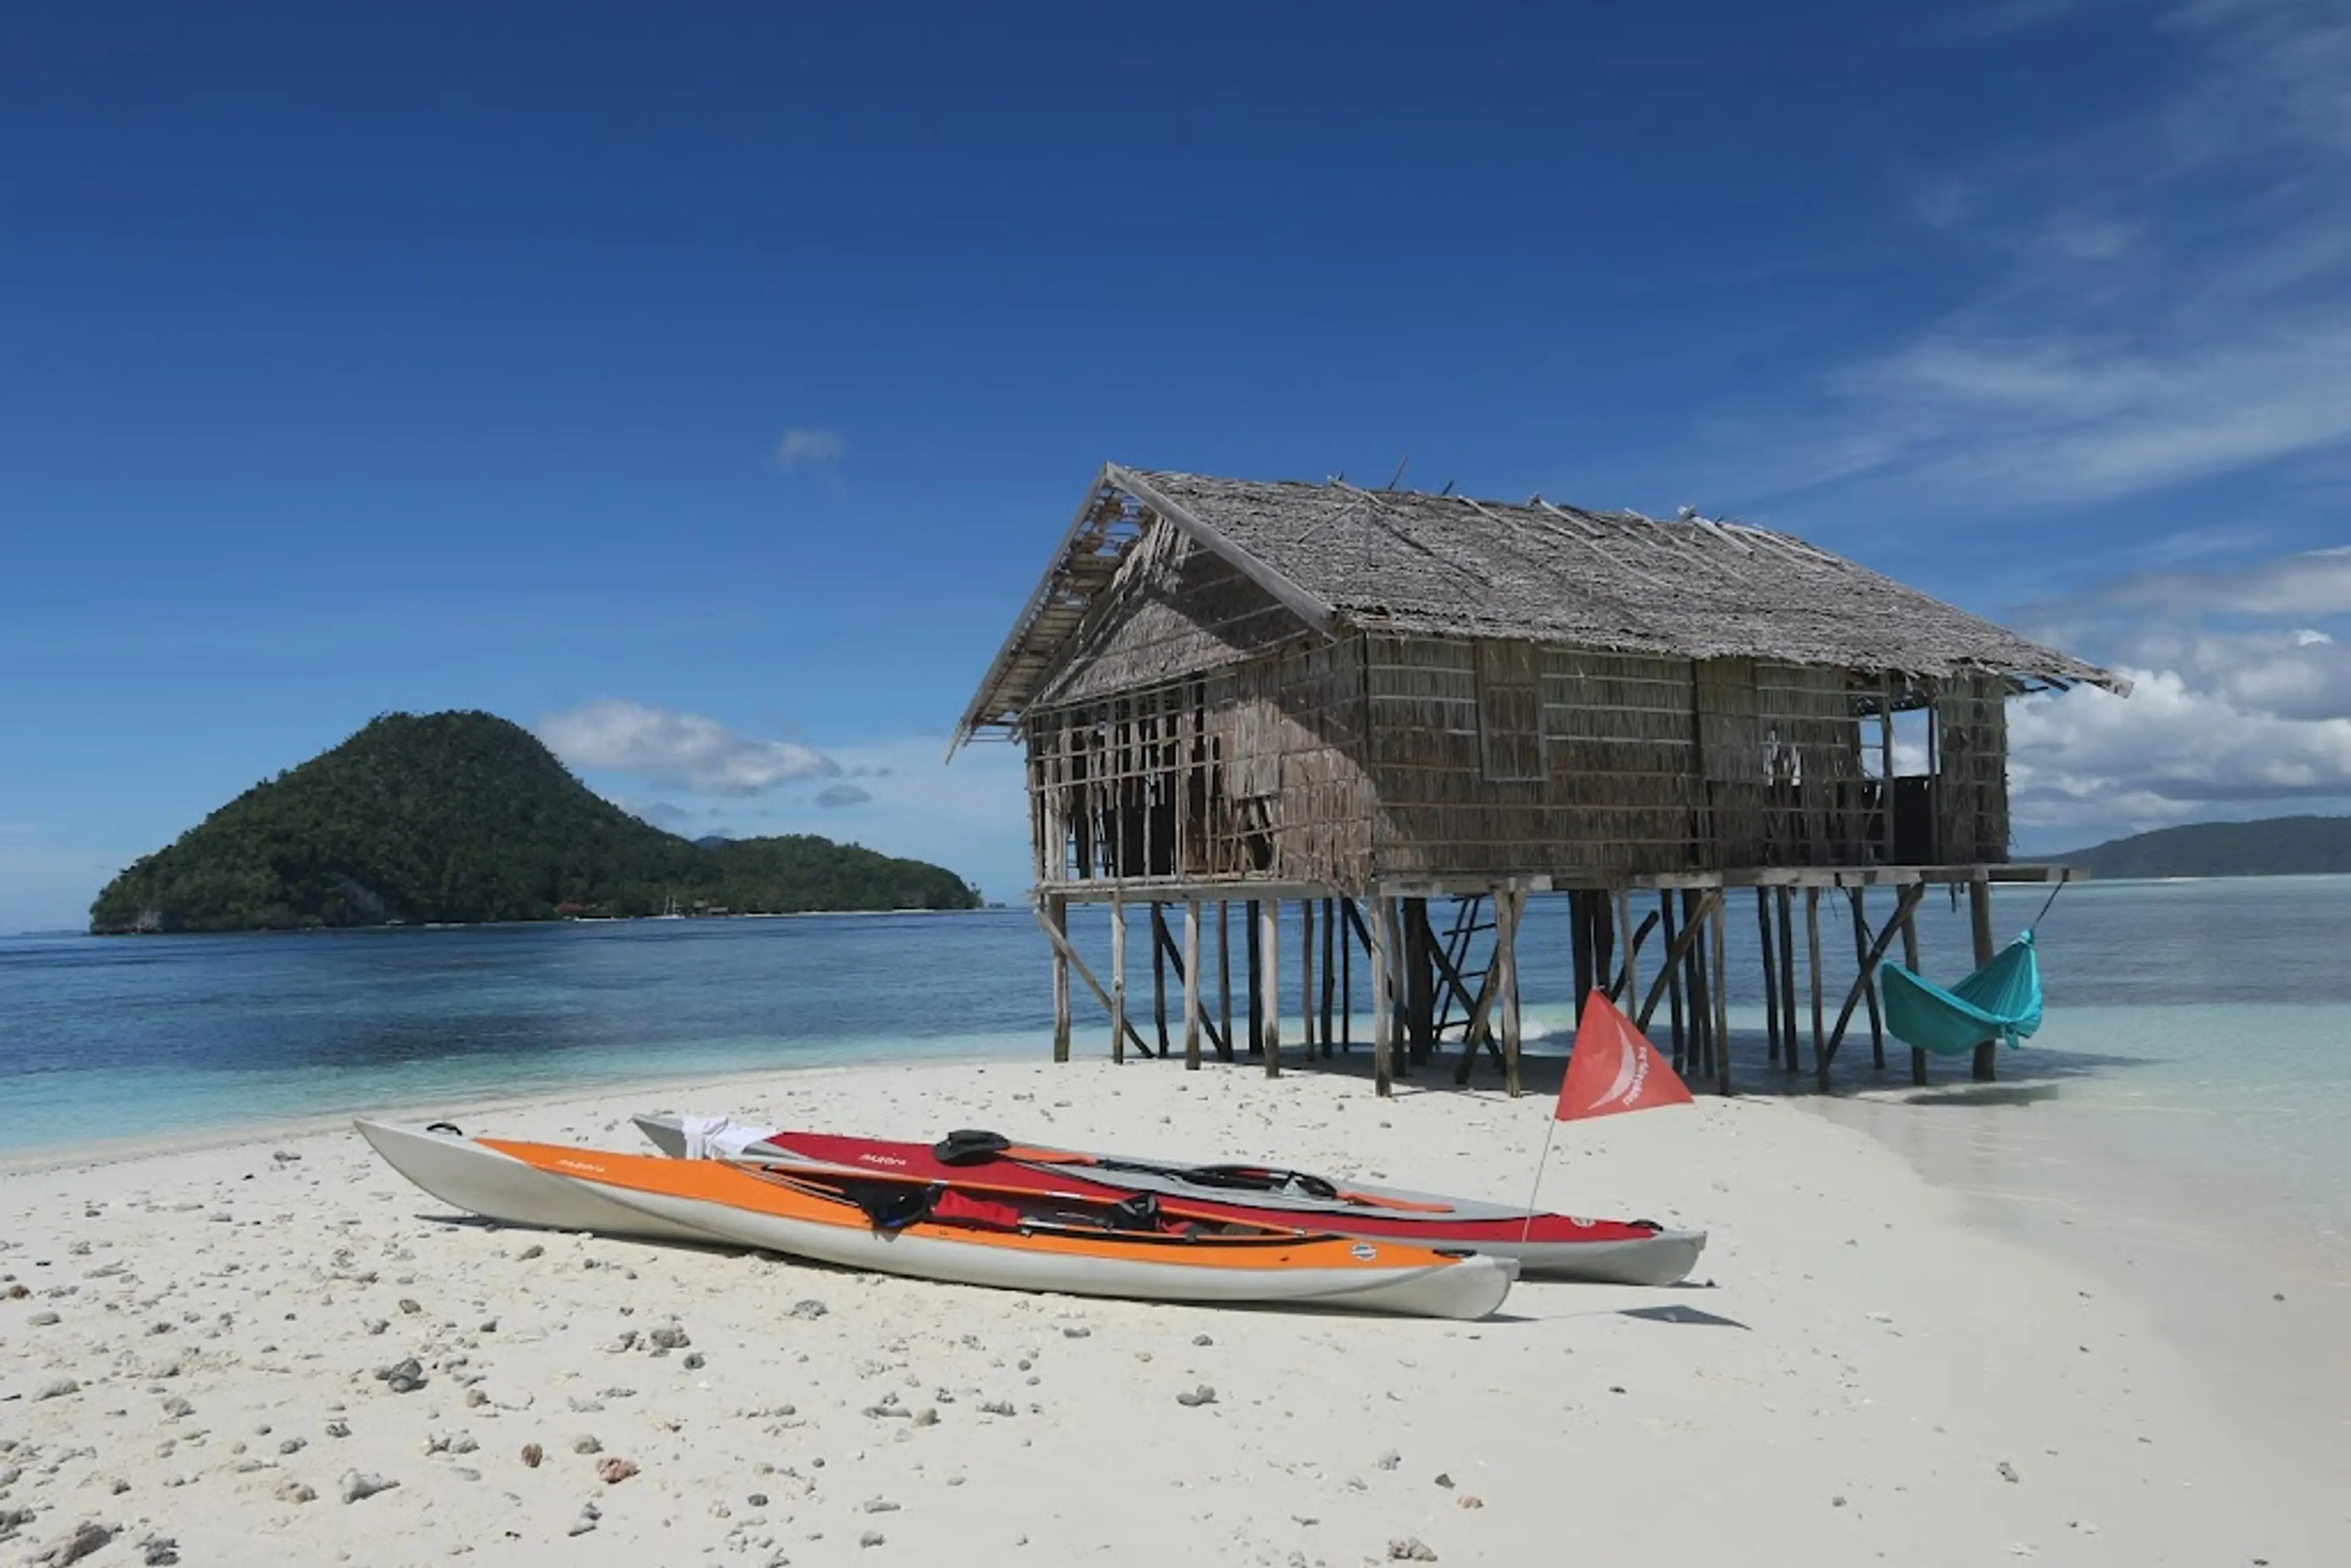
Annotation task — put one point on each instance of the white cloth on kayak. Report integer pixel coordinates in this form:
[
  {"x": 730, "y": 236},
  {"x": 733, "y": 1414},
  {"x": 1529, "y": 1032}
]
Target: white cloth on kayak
[{"x": 719, "y": 1137}]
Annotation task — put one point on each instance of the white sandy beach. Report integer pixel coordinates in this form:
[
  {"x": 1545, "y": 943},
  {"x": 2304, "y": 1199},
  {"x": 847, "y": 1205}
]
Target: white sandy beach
[{"x": 1869, "y": 1378}]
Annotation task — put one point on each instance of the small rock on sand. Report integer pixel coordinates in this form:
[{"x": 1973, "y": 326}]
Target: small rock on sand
[
  {"x": 358, "y": 1484},
  {"x": 533, "y": 1251},
  {"x": 43, "y": 1320},
  {"x": 1202, "y": 1339},
  {"x": 57, "y": 1388},
  {"x": 586, "y": 1444},
  {"x": 809, "y": 1307},
  {"x": 1203, "y": 1394},
  {"x": 1391, "y": 1459},
  {"x": 295, "y": 1491},
  {"x": 84, "y": 1538},
  {"x": 615, "y": 1470},
  {"x": 1410, "y": 1549},
  {"x": 2007, "y": 1471},
  {"x": 159, "y": 1551},
  {"x": 669, "y": 1336},
  {"x": 531, "y": 1455},
  {"x": 871, "y": 1538},
  {"x": 880, "y": 1505}
]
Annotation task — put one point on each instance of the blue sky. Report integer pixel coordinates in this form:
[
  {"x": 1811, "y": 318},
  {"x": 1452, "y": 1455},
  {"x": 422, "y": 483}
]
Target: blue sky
[{"x": 705, "y": 386}]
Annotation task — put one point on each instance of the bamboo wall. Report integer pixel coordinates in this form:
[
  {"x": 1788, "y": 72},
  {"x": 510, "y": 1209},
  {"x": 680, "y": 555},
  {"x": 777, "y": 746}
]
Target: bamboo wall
[{"x": 1388, "y": 757}]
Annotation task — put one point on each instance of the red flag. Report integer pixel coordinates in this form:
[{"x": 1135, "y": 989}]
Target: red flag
[{"x": 1612, "y": 1068}]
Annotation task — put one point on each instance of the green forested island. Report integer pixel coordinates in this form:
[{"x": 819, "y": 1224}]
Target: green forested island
[
  {"x": 464, "y": 817},
  {"x": 2278, "y": 846}
]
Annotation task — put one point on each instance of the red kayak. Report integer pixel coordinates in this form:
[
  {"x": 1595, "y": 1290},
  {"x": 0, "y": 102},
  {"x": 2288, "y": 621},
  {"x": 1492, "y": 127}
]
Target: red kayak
[{"x": 1553, "y": 1246}]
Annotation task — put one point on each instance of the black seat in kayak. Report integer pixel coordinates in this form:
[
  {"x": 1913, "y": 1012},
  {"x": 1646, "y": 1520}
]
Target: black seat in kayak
[{"x": 970, "y": 1145}]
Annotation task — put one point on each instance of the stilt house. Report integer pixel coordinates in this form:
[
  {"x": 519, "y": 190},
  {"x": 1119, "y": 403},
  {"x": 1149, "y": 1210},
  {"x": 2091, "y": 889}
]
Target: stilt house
[{"x": 1365, "y": 699}]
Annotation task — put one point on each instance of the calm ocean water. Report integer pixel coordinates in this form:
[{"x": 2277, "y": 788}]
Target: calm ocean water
[{"x": 2218, "y": 1012}]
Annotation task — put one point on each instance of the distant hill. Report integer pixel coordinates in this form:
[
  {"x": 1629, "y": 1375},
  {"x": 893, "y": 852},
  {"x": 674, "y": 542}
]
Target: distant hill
[
  {"x": 463, "y": 817},
  {"x": 2278, "y": 846}
]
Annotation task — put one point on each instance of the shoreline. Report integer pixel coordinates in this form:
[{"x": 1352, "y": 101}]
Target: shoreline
[{"x": 1857, "y": 1373}]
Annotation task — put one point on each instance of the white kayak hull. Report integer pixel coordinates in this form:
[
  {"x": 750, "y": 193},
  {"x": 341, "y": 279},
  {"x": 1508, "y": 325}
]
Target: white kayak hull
[{"x": 488, "y": 1182}]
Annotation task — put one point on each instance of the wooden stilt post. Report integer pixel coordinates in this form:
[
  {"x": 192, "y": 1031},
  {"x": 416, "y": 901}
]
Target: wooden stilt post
[
  {"x": 1347, "y": 981},
  {"x": 1057, "y": 911},
  {"x": 1191, "y": 984},
  {"x": 1224, "y": 982},
  {"x": 1117, "y": 979},
  {"x": 1812, "y": 956},
  {"x": 1771, "y": 975},
  {"x": 1987, "y": 1062},
  {"x": 1160, "y": 942},
  {"x": 1269, "y": 990},
  {"x": 1331, "y": 943},
  {"x": 1399, "y": 1059},
  {"x": 1632, "y": 946},
  {"x": 1868, "y": 995},
  {"x": 1580, "y": 946},
  {"x": 1721, "y": 923},
  {"x": 1253, "y": 937},
  {"x": 1306, "y": 976},
  {"x": 1604, "y": 941},
  {"x": 1784, "y": 899},
  {"x": 1420, "y": 981},
  {"x": 1673, "y": 978},
  {"x": 1910, "y": 962},
  {"x": 1507, "y": 903},
  {"x": 1701, "y": 1009},
  {"x": 1383, "y": 1000}
]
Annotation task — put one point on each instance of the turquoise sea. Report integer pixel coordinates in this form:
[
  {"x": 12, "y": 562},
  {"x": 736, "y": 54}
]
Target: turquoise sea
[{"x": 2209, "y": 1020}]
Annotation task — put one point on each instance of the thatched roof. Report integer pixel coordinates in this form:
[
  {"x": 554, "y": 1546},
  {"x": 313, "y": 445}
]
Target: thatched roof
[{"x": 1343, "y": 559}]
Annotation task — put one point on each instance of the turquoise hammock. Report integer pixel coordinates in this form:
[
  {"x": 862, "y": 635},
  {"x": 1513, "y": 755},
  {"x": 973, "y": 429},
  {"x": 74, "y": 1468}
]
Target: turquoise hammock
[{"x": 2000, "y": 1001}]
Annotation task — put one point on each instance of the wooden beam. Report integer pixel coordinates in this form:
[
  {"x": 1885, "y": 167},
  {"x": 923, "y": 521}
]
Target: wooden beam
[
  {"x": 1785, "y": 900},
  {"x": 1330, "y": 946},
  {"x": 1672, "y": 965},
  {"x": 1078, "y": 967},
  {"x": 1771, "y": 997},
  {"x": 1677, "y": 948},
  {"x": 1870, "y": 956},
  {"x": 1253, "y": 936},
  {"x": 1306, "y": 606},
  {"x": 1191, "y": 984},
  {"x": 1869, "y": 993},
  {"x": 1633, "y": 936}
]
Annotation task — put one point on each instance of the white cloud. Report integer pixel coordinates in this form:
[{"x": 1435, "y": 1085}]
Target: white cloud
[
  {"x": 675, "y": 750},
  {"x": 810, "y": 444},
  {"x": 838, "y": 795}
]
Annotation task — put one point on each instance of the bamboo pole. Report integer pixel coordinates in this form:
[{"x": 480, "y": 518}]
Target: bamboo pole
[
  {"x": 1771, "y": 994},
  {"x": 1420, "y": 981},
  {"x": 1191, "y": 984},
  {"x": 1057, "y": 914},
  {"x": 1117, "y": 979},
  {"x": 1871, "y": 955},
  {"x": 1269, "y": 990},
  {"x": 1400, "y": 1062},
  {"x": 1987, "y": 1062},
  {"x": 1382, "y": 1003}
]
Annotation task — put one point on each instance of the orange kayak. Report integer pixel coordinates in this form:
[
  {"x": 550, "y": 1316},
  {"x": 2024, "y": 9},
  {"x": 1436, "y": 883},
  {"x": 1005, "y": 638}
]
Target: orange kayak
[{"x": 1049, "y": 1243}]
